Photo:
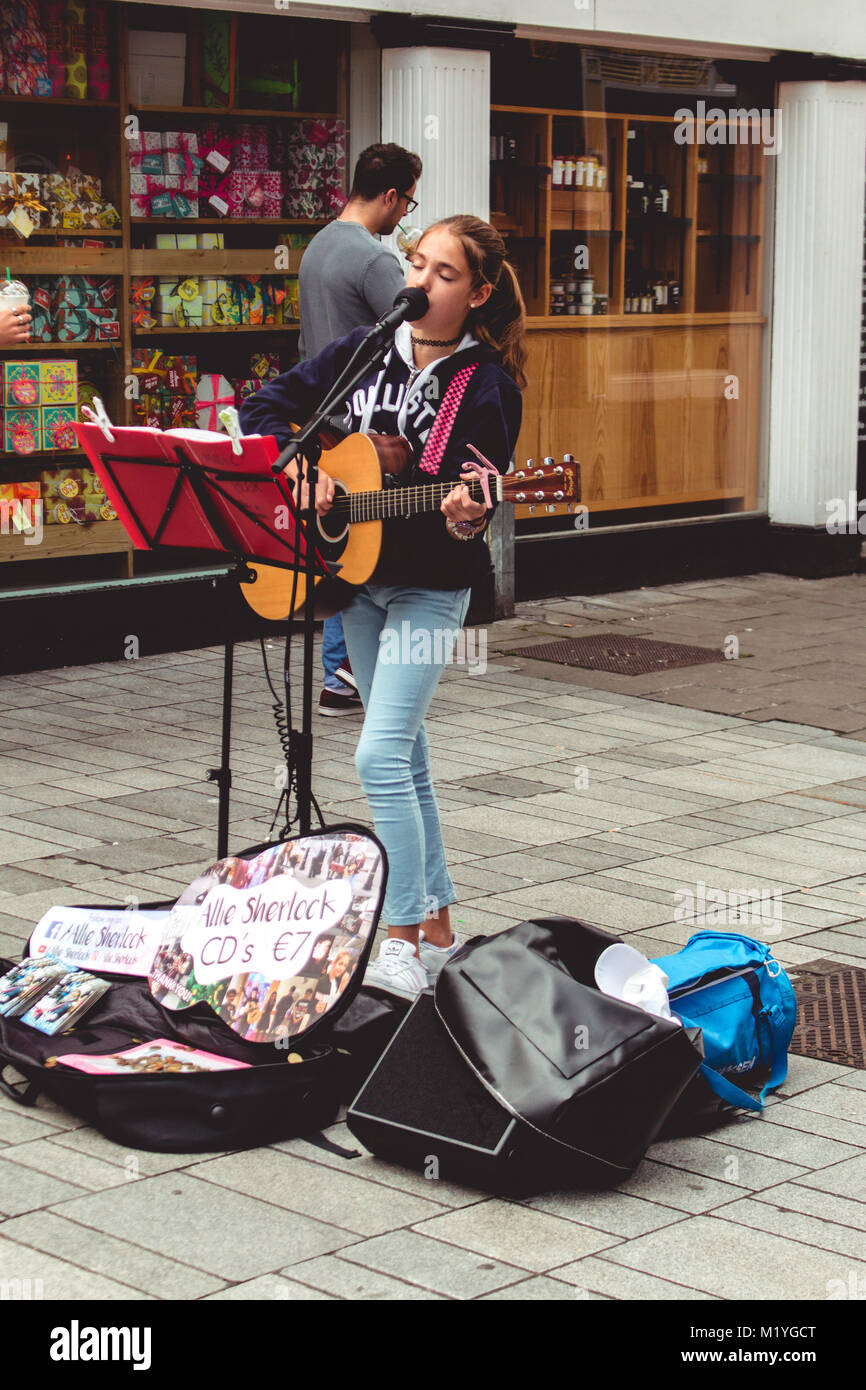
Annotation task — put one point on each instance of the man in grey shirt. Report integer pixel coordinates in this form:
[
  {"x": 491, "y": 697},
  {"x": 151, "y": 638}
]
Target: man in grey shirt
[{"x": 349, "y": 279}]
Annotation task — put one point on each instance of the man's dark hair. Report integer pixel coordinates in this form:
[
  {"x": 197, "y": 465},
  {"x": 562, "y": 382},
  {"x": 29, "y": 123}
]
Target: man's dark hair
[{"x": 381, "y": 167}]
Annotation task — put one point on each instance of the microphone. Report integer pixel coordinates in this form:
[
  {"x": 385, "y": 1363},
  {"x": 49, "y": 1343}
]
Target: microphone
[{"x": 410, "y": 304}]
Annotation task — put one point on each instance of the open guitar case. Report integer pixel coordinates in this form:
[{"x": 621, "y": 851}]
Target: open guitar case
[{"x": 269, "y": 1100}]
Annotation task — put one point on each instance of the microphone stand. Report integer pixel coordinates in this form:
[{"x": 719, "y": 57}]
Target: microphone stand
[{"x": 306, "y": 447}]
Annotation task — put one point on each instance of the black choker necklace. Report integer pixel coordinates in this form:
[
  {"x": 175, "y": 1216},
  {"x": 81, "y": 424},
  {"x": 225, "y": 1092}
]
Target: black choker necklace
[{"x": 436, "y": 342}]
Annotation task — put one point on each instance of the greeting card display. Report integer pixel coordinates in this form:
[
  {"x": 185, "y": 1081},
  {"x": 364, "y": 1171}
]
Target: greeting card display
[{"x": 273, "y": 942}]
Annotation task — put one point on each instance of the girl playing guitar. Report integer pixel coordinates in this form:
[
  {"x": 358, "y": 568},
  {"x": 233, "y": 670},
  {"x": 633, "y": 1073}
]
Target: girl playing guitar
[{"x": 474, "y": 332}]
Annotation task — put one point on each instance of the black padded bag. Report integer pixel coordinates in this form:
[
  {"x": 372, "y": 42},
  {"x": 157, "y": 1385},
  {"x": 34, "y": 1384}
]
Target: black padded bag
[{"x": 587, "y": 1079}]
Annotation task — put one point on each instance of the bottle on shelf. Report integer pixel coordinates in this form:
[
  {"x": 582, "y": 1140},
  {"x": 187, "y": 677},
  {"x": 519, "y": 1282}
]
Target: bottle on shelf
[
  {"x": 558, "y": 170},
  {"x": 509, "y": 143},
  {"x": 661, "y": 197},
  {"x": 659, "y": 292}
]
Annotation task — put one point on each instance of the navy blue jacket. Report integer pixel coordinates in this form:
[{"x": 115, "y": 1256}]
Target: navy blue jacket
[{"x": 415, "y": 550}]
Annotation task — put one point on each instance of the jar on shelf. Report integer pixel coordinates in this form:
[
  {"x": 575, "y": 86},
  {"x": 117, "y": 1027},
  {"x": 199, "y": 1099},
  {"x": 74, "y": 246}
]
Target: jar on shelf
[{"x": 558, "y": 170}]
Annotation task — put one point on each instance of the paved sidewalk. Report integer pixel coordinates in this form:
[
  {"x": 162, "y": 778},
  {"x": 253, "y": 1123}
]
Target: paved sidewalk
[{"x": 561, "y": 790}]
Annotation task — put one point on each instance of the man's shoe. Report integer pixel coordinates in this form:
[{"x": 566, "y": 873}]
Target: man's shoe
[
  {"x": 332, "y": 702},
  {"x": 434, "y": 957},
  {"x": 397, "y": 970},
  {"x": 344, "y": 674}
]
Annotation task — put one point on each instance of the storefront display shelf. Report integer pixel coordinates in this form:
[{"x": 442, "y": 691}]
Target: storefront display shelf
[
  {"x": 61, "y": 542},
  {"x": 59, "y": 347},
  {"x": 218, "y": 328},
  {"x": 92, "y": 135},
  {"x": 244, "y": 113}
]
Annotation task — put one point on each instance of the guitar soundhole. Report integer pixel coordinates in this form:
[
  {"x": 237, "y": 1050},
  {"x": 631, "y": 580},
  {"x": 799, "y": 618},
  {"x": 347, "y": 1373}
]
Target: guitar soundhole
[{"x": 334, "y": 525}]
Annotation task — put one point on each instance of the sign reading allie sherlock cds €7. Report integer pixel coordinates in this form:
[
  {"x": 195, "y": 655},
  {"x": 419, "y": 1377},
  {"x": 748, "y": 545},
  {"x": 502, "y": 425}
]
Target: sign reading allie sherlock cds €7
[{"x": 273, "y": 942}]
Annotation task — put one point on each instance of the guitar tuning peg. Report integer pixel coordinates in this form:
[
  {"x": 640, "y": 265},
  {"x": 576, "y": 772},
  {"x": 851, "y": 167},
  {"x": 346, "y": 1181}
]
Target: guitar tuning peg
[{"x": 568, "y": 458}]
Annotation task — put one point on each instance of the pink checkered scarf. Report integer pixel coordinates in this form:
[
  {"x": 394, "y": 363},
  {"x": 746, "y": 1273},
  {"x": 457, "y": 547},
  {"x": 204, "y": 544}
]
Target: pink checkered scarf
[{"x": 437, "y": 440}]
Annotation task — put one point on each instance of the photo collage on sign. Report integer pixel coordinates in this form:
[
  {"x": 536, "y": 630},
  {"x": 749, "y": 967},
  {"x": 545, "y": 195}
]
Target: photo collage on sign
[{"x": 263, "y": 1009}]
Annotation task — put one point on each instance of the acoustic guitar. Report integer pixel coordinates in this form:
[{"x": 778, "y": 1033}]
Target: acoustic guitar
[{"x": 349, "y": 536}]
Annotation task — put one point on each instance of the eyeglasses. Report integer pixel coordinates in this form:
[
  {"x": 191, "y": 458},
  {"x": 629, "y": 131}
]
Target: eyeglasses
[{"x": 411, "y": 203}]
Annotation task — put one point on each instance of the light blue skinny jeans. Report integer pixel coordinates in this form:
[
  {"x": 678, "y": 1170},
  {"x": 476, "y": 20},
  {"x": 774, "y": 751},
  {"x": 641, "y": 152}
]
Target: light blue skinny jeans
[{"x": 397, "y": 669}]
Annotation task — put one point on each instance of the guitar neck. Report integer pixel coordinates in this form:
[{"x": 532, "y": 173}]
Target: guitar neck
[{"x": 401, "y": 501}]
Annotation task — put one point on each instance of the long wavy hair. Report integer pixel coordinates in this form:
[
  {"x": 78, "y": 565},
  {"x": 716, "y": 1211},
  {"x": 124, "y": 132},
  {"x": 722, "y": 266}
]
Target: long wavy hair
[{"x": 500, "y": 322}]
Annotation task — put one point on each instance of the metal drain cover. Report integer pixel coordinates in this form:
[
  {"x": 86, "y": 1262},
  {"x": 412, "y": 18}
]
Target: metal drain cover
[
  {"x": 831, "y": 1012},
  {"x": 620, "y": 653}
]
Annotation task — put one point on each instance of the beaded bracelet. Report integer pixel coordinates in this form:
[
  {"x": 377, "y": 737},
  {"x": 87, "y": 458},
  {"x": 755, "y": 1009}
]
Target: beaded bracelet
[{"x": 465, "y": 530}]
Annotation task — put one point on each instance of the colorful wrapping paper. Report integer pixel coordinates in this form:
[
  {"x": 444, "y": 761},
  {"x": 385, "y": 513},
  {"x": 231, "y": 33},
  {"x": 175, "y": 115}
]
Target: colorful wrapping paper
[
  {"x": 19, "y": 195},
  {"x": 22, "y": 430},
  {"x": 215, "y": 59},
  {"x": 75, "y": 48},
  {"x": 98, "y": 73},
  {"x": 58, "y": 382},
  {"x": 52, "y": 23},
  {"x": 21, "y": 385},
  {"x": 213, "y": 394},
  {"x": 56, "y": 423}
]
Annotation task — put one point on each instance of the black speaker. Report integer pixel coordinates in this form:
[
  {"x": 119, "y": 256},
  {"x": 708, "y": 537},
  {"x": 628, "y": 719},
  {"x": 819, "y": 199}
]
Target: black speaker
[{"x": 424, "y": 1107}]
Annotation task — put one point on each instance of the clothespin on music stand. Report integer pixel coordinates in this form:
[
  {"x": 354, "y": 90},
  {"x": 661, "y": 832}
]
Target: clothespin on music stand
[
  {"x": 230, "y": 422},
  {"x": 98, "y": 416}
]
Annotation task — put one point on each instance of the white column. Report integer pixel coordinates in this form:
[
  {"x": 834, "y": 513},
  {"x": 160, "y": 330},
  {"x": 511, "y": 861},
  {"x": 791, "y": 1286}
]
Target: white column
[
  {"x": 364, "y": 94},
  {"x": 816, "y": 298},
  {"x": 436, "y": 101}
]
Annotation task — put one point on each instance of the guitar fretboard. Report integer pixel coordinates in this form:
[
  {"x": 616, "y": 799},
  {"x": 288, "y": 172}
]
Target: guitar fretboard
[{"x": 397, "y": 501}]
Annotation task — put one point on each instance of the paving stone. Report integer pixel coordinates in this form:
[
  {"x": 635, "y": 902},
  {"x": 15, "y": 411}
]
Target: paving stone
[
  {"x": 681, "y": 1189},
  {"x": 724, "y": 1161},
  {"x": 338, "y": 1278},
  {"x": 78, "y": 1168},
  {"x": 22, "y": 1189},
  {"x": 433, "y": 1264},
  {"x": 517, "y": 1234},
  {"x": 336, "y": 1196},
  {"x": 842, "y": 1102},
  {"x": 846, "y": 1179},
  {"x": 45, "y": 1277},
  {"x": 712, "y": 1254},
  {"x": 541, "y": 1290},
  {"x": 598, "y": 1274},
  {"x": 766, "y": 1215},
  {"x": 615, "y": 1212},
  {"x": 268, "y": 1287},
  {"x": 195, "y": 1217},
  {"x": 109, "y": 1255}
]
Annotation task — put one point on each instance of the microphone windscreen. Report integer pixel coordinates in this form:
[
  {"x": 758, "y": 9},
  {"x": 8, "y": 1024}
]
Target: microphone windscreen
[{"x": 417, "y": 301}]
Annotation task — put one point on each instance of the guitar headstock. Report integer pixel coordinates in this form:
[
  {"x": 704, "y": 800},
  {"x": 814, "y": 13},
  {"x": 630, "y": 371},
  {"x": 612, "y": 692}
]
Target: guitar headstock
[{"x": 552, "y": 482}]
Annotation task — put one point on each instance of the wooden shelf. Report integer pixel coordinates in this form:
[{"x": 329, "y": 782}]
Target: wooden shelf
[
  {"x": 8, "y": 98},
  {"x": 570, "y": 322},
  {"x": 63, "y": 347},
  {"x": 77, "y": 260},
  {"x": 225, "y": 328},
  {"x": 178, "y": 223},
  {"x": 41, "y": 457},
  {"x": 69, "y": 231},
  {"x": 250, "y": 113},
  {"x": 60, "y": 542},
  {"x": 727, "y": 236}
]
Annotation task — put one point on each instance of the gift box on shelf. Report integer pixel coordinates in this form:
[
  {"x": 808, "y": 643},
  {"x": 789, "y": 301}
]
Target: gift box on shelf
[
  {"x": 63, "y": 483},
  {"x": 21, "y": 504},
  {"x": 213, "y": 394},
  {"x": 21, "y": 384},
  {"x": 265, "y": 365},
  {"x": 176, "y": 241},
  {"x": 24, "y": 49},
  {"x": 20, "y": 204},
  {"x": 75, "y": 48},
  {"x": 57, "y": 426},
  {"x": 246, "y": 388},
  {"x": 58, "y": 382},
  {"x": 98, "y": 71},
  {"x": 255, "y": 192},
  {"x": 22, "y": 430},
  {"x": 211, "y": 241}
]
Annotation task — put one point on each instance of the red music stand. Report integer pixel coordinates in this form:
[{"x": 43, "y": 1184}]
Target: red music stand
[{"x": 199, "y": 490}]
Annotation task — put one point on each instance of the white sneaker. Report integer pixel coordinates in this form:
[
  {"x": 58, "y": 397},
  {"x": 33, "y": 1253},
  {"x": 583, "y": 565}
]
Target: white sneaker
[
  {"x": 434, "y": 957},
  {"x": 397, "y": 970}
]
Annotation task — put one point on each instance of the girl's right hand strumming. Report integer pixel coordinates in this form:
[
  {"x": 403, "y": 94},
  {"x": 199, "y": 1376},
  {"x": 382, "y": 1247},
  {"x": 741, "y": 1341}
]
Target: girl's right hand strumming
[{"x": 324, "y": 488}]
